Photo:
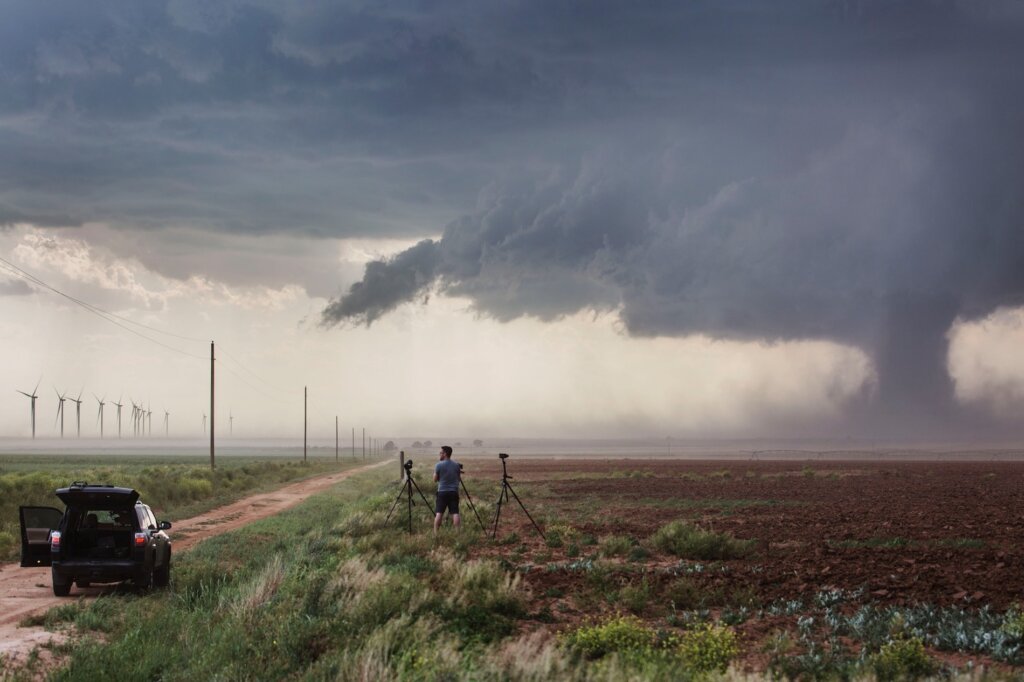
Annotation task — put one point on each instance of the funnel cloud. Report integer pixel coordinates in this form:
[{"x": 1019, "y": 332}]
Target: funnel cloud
[{"x": 850, "y": 173}]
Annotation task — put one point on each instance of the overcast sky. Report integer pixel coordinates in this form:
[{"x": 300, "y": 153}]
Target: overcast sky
[{"x": 722, "y": 218}]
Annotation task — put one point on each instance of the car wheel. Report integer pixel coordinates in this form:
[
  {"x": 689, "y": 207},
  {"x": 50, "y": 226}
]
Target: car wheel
[
  {"x": 61, "y": 588},
  {"x": 162, "y": 575},
  {"x": 145, "y": 582}
]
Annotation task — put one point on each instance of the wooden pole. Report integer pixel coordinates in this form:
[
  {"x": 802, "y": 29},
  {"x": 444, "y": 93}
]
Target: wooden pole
[
  {"x": 305, "y": 421},
  {"x": 212, "y": 464}
]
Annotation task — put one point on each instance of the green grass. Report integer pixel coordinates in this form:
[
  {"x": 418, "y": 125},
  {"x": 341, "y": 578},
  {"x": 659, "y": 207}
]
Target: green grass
[
  {"x": 903, "y": 543},
  {"x": 691, "y": 542},
  {"x": 176, "y": 487},
  {"x": 326, "y": 591}
]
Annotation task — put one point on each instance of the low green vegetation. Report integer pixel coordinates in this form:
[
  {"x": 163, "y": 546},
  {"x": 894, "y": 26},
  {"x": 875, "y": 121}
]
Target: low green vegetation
[
  {"x": 327, "y": 590},
  {"x": 704, "y": 648},
  {"x": 176, "y": 487},
  {"x": 687, "y": 541}
]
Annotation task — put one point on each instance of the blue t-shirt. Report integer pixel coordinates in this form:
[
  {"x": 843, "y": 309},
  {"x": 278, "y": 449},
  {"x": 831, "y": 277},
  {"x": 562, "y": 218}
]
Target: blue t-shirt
[{"x": 447, "y": 471}]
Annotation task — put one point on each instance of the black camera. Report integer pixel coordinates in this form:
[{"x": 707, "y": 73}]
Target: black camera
[
  {"x": 503, "y": 455},
  {"x": 408, "y": 465}
]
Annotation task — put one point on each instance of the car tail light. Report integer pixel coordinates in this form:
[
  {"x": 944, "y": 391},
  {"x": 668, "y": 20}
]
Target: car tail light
[
  {"x": 140, "y": 539},
  {"x": 55, "y": 540}
]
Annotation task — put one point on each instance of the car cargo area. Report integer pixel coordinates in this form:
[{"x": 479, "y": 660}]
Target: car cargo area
[{"x": 100, "y": 534}]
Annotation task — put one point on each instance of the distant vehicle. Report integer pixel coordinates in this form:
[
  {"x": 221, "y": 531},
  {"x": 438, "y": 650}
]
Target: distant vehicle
[{"x": 104, "y": 535}]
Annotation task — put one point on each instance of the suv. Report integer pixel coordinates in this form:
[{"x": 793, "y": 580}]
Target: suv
[{"x": 105, "y": 534}]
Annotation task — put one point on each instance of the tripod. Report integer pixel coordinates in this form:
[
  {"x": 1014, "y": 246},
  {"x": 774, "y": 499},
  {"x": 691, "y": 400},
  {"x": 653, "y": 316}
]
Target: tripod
[
  {"x": 407, "y": 491},
  {"x": 506, "y": 488},
  {"x": 470, "y": 500}
]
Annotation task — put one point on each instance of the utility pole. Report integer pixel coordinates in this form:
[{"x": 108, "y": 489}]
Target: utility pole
[
  {"x": 305, "y": 421},
  {"x": 364, "y": 442},
  {"x": 335, "y": 439},
  {"x": 353, "y": 442},
  {"x": 212, "y": 465}
]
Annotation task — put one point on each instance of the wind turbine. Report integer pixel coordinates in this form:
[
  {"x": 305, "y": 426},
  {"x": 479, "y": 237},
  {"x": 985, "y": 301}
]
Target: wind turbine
[
  {"x": 60, "y": 412},
  {"x": 231, "y": 423},
  {"x": 119, "y": 406},
  {"x": 99, "y": 415},
  {"x": 167, "y": 423},
  {"x": 149, "y": 416},
  {"x": 78, "y": 412},
  {"x": 32, "y": 397},
  {"x": 135, "y": 418},
  {"x": 204, "y": 422}
]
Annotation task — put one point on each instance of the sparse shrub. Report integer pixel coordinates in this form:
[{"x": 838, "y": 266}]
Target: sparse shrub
[
  {"x": 1013, "y": 623},
  {"x": 635, "y": 596},
  {"x": 573, "y": 550},
  {"x": 553, "y": 538},
  {"x": 902, "y": 659},
  {"x": 684, "y": 594},
  {"x": 690, "y": 542},
  {"x": 638, "y": 553},
  {"x": 808, "y": 472},
  {"x": 709, "y": 647},
  {"x": 625, "y": 635},
  {"x": 616, "y": 545}
]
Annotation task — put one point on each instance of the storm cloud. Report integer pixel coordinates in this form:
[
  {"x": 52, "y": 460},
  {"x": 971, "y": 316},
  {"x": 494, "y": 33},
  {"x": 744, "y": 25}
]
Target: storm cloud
[
  {"x": 819, "y": 169},
  {"x": 845, "y": 171}
]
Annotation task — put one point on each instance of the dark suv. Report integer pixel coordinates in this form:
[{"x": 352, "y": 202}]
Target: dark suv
[{"x": 105, "y": 534}]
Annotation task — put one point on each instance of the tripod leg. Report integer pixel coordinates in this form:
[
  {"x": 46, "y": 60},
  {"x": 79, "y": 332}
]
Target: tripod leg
[
  {"x": 408, "y": 487},
  {"x": 527, "y": 513},
  {"x": 395, "y": 505},
  {"x": 497, "y": 512},
  {"x": 422, "y": 496},
  {"x": 473, "y": 507}
]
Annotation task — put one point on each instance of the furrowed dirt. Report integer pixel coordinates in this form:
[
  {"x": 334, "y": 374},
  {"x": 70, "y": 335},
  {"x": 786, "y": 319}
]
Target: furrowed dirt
[
  {"x": 888, "y": 533},
  {"x": 906, "y": 532},
  {"x": 27, "y": 591}
]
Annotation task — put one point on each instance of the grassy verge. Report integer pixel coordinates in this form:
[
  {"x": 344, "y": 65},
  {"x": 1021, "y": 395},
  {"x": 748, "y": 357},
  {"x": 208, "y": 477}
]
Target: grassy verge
[
  {"x": 175, "y": 487},
  {"x": 326, "y": 591}
]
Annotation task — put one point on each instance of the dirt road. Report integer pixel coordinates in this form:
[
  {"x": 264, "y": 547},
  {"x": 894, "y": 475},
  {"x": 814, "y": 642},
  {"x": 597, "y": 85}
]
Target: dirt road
[{"x": 27, "y": 591}]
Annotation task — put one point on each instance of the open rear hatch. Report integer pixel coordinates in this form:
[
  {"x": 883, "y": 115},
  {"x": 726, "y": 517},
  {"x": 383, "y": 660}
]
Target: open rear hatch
[{"x": 98, "y": 496}]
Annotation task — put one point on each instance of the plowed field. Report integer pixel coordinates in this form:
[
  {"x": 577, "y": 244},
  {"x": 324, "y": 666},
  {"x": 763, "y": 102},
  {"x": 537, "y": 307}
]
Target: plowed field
[{"x": 904, "y": 533}]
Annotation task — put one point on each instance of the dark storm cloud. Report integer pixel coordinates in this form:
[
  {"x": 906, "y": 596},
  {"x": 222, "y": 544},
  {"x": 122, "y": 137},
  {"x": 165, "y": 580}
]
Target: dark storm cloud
[
  {"x": 842, "y": 169},
  {"x": 848, "y": 171}
]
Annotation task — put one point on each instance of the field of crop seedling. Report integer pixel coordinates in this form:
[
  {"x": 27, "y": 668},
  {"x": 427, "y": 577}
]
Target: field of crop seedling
[{"x": 648, "y": 570}]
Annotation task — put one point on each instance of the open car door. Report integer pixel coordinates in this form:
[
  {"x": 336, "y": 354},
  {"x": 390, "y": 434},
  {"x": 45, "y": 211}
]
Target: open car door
[{"x": 36, "y": 524}]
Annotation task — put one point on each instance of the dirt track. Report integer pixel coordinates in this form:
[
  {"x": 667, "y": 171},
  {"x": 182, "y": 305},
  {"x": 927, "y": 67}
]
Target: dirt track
[{"x": 27, "y": 591}]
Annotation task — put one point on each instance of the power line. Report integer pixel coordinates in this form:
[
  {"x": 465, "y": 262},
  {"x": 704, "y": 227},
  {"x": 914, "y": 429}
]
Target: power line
[
  {"x": 238, "y": 362},
  {"x": 255, "y": 388},
  {"x": 27, "y": 275},
  {"x": 99, "y": 312}
]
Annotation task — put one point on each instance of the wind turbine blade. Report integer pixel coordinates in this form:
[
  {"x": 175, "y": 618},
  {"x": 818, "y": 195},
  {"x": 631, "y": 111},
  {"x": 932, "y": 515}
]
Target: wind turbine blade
[
  {"x": 37, "y": 385},
  {"x": 23, "y": 393}
]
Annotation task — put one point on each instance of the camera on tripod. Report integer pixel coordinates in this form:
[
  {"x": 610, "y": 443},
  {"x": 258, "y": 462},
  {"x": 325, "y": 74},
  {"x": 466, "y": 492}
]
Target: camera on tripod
[
  {"x": 503, "y": 455},
  {"x": 408, "y": 465}
]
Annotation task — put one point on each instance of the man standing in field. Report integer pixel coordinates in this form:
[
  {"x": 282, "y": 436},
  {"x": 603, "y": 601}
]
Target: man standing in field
[{"x": 447, "y": 474}]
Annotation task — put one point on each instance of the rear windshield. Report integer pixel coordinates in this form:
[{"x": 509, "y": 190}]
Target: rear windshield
[{"x": 103, "y": 519}]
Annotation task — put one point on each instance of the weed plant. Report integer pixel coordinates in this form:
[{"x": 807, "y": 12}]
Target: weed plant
[{"x": 687, "y": 541}]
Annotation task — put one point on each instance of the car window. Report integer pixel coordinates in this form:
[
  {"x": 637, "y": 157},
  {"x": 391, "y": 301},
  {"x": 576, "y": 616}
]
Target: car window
[
  {"x": 152, "y": 519},
  {"x": 109, "y": 519}
]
